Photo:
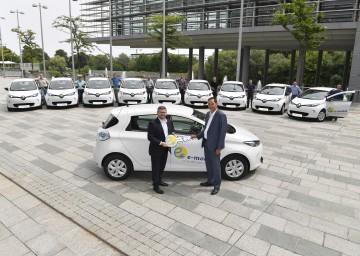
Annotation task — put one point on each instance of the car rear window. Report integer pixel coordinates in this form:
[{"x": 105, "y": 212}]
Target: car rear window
[{"x": 23, "y": 86}]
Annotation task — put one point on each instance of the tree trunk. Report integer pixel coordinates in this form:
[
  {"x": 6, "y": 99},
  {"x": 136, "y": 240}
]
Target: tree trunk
[{"x": 301, "y": 66}]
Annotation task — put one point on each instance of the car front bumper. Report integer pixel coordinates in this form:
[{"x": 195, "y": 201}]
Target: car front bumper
[
  {"x": 159, "y": 99},
  {"x": 56, "y": 101},
  {"x": 228, "y": 103},
  {"x": 267, "y": 106},
  {"x": 136, "y": 99},
  {"x": 196, "y": 101},
  {"x": 30, "y": 102},
  {"x": 304, "y": 111},
  {"x": 100, "y": 100}
]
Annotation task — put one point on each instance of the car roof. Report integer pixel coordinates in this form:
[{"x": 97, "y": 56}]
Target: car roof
[
  {"x": 23, "y": 79},
  {"x": 147, "y": 109},
  {"x": 61, "y": 78},
  {"x": 322, "y": 88},
  {"x": 133, "y": 78},
  {"x": 98, "y": 78},
  {"x": 198, "y": 80},
  {"x": 165, "y": 79},
  {"x": 279, "y": 85},
  {"x": 233, "y": 82}
]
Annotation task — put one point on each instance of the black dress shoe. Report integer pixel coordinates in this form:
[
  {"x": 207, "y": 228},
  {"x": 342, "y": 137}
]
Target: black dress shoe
[
  {"x": 206, "y": 184},
  {"x": 159, "y": 190},
  {"x": 215, "y": 191},
  {"x": 164, "y": 184}
]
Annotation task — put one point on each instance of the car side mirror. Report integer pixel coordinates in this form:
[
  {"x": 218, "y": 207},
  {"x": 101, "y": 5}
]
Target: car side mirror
[{"x": 6, "y": 88}]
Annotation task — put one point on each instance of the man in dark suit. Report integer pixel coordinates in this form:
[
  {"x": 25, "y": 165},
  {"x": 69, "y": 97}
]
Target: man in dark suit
[
  {"x": 158, "y": 150},
  {"x": 213, "y": 142}
]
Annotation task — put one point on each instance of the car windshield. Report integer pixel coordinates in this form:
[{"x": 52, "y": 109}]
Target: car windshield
[
  {"x": 133, "y": 84},
  {"x": 232, "y": 88},
  {"x": 272, "y": 90},
  {"x": 98, "y": 84},
  {"x": 61, "y": 85},
  {"x": 199, "y": 115},
  {"x": 23, "y": 86},
  {"x": 313, "y": 94},
  {"x": 201, "y": 86},
  {"x": 165, "y": 85}
]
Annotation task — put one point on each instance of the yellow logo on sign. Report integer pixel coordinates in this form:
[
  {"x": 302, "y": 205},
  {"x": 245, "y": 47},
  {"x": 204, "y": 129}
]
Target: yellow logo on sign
[
  {"x": 180, "y": 152},
  {"x": 171, "y": 141}
]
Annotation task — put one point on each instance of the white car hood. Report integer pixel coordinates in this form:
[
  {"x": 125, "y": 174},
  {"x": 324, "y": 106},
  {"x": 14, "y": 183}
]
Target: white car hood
[
  {"x": 95, "y": 91},
  {"x": 234, "y": 94},
  {"x": 63, "y": 92},
  {"x": 198, "y": 92},
  {"x": 23, "y": 93},
  {"x": 165, "y": 91},
  {"x": 307, "y": 101},
  {"x": 268, "y": 97},
  {"x": 241, "y": 135},
  {"x": 135, "y": 91}
]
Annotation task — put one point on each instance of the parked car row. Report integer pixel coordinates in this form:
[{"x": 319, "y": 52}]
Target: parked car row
[{"x": 318, "y": 103}]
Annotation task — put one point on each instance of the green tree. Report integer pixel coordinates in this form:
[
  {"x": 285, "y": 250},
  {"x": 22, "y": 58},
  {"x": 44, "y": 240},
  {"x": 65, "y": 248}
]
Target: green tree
[
  {"x": 99, "y": 62},
  {"x": 300, "y": 19},
  {"x": 62, "y": 53},
  {"x": 57, "y": 64},
  {"x": 27, "y": 37},
  {"x": 122, "y": 61},
  {"x": 9, "y": 55},
  {"x": 227, "y": 66},
  {"x": 80, "y": 38},
  {"x": 33, "y": 55}
]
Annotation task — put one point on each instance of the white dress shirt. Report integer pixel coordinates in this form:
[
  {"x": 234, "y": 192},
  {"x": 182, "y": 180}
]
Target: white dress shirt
[
  {"x": 164, "y": 126},
  {"x": 208, "y": 123}
]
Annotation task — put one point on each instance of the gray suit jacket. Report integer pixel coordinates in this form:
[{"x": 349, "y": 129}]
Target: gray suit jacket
[{"x": 216, "y": 132}]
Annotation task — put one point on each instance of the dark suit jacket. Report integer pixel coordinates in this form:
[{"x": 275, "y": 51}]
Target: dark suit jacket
[
  {"x": 216, "y": 132},
  {"x": 156, "y": 135}
]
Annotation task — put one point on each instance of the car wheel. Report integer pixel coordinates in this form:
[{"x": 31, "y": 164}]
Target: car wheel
[
  {"x": 282, "y": 110},
  {"x": 117, "y": 167},
  {"x": 234, "y": 167},
  {"x": 321, "y": 116},
  {"x": 9, "y": 109}
]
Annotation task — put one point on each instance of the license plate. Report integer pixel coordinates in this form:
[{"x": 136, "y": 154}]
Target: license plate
[
  {"x": 263, "y": 109},
  {"x": 61, "y": 104},
  {"x": 23, "y": 106},
  {"x": 132, "y": 102},
  {"x": 231, "y": 106},
  {"x": 97, "y": 102},
  {"x": 297, "y": 115},
  {"x": 199, "y": 104}
]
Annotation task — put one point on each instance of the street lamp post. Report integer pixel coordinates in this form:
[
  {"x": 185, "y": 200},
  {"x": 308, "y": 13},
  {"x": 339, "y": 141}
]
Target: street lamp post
[
  {"x": 240, "y": 40},
  {"x": 71, "y": 42},
  {"x": 21, "y": 60},
  {"x": 42, "y": 38},
  {"x": 2, "y": 50},
  {"x": 110, "y": 37},
  {"x": 163, "y": 42}
]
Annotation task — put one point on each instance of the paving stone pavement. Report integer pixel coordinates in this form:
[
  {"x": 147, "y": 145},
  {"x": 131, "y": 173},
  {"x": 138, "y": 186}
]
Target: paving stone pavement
[{"x": 303, "y": 200}]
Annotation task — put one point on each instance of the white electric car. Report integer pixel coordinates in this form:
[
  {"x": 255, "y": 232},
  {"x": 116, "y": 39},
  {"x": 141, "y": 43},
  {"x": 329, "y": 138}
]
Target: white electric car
[
  {"x": 272, "y": 98},
  {"x": 98, "y": 91},
  {"x": 61, "y": 93},
  {"x": 23, "y": 93},
  {"x": 321, "y": 102},
  {"x": 122, "y": 144},
  {"x": 197, "y": 93},
  {"x": 232, "y": 95},
  {"x": 132, "y": 91},
  {"x": 166, "y": 91}
]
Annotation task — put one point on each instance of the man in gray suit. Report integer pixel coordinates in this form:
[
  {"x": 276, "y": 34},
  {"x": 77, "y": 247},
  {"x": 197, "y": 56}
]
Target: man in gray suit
[{"x": 213, "y": 142}]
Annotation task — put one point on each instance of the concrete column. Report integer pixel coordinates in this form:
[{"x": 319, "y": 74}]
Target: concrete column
[
  {"x": 216, "y": 63},
  {"x": 241, "y": 63},
  {"x": 201, "y": 62},
  {"x": 292, "y": 66},
  {"x": 266, "y": 66},
  {"x": 245, "y": 68},
  {"x": 318, "y": 68},
  {"x": 354, "y": 82},
  {"x": 190, "y": 63},
  {"x": 345, "y": 80}
]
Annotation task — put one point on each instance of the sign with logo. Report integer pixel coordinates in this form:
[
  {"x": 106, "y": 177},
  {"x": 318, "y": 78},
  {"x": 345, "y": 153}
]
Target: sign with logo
[{"x": 172, "y": 140}]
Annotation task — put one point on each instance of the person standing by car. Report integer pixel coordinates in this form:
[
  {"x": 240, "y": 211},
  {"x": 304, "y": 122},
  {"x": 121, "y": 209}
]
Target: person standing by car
[
  {"x": 295, "y": 89},
  {"x": 214, "y": 86},
  {"x": 213, "y": 141},
  {"x": 116, "y": 83},
  {"x": 43, "y": 84},
  {"x": 158, "y": 130},
  {"x": 182, "y": 88},
  {"x": 250, "y": 93},
  {"x": 149, "y": 83},
  {"x": 80, "y": 85}
]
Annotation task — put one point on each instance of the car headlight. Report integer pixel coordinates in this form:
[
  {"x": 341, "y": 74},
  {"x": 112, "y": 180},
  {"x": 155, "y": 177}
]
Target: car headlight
[
  {"x": 87, "y": 93},
  {"x": 276, "y": 100},
  {"x": 50, "y": 94},
  {"x": 157, "y": 93},
  {"x": 12, "y": 96},
  {"x": 242, "y": 96},
  {"x": 34, "y": 95},
  {"x": 104, "y": 135},
  {"x": 106, "y": 93},
  {"x": 190, "y": 94},
  {"x": 177, "y": 93},
  {"x": 292, "y": 103},
  {"x": 313, "y": 105},
  {"x": 222, "y": 96},
  {"x": 209, "y": 94},
  {"x": 70, "y": 94},
  {"x": 256, "y": 98},
  {"x": 252, "y": 143}
]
